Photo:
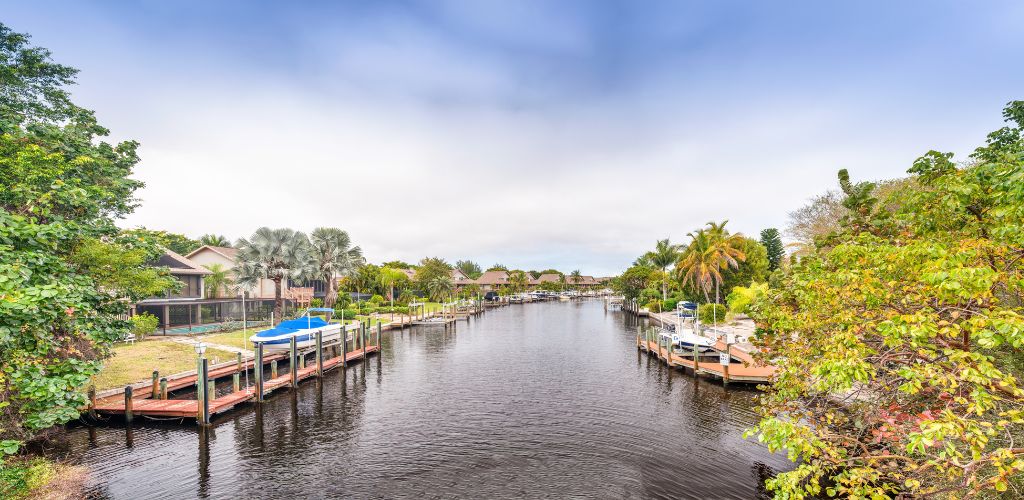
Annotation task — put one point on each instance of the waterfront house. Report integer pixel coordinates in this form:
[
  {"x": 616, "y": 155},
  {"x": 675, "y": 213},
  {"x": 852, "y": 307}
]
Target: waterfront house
[{"x": 491, "y": 281}]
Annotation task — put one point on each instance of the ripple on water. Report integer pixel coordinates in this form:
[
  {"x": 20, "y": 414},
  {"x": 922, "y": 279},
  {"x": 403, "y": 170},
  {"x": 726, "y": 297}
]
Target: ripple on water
[{"x": 540, "y": 400}]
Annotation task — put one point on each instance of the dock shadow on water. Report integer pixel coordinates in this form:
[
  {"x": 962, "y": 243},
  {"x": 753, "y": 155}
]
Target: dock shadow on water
[{"x": 534, "y": 400}]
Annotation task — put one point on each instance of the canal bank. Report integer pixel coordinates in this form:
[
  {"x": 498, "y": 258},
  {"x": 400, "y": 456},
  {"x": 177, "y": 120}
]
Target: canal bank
[{"x": 547, "y": 399}]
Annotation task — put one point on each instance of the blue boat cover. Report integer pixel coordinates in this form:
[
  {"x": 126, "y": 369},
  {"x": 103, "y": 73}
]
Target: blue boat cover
[{"x": 292, "y": 326}]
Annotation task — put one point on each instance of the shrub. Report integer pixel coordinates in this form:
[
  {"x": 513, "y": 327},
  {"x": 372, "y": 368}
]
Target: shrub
[
  {"x": 317, "y": 302},
  {"x": 708, "y": 312},
  {"x": 669, "y": 305},
  {"x": 144, "y": 324},
  {"x": 377, "y": 299},
  {"x": 653, "y": 305}
]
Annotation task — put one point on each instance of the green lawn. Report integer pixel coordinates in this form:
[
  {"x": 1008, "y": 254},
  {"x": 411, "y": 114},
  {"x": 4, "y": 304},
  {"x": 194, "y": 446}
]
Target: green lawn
[
  {"x": 132, "y": 363},
  {"x": 234, "y": 338}
]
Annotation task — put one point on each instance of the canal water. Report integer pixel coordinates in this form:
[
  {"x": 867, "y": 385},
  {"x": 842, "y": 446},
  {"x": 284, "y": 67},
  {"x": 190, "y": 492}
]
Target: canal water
[{"x": 536, "y": 400}]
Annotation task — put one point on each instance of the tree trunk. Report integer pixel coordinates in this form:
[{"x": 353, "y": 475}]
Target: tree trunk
[{"x": 278, "y": 301}]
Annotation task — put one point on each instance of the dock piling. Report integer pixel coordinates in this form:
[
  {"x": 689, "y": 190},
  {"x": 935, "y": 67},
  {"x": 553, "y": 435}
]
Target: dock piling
[
  {"x": 163, "y": 388},
  {"x": 236, "y": 381},
  {"x": 344, "y": 347},
  {"x": 204, "y": 405},
  {"x": 319, "y": 354},
  {"x": 128, "y": 404},
  {"x": 153, "y": 385},
  {"x": 92, "y": 402},
  {"x": 259, "y": 372},
  {"x": 273, "y": 368},
  {"x": 293, "y": 365}
]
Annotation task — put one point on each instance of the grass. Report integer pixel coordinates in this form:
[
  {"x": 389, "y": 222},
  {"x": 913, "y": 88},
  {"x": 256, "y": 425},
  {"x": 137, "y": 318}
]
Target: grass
[
  {"x": 40, "y": 478},
  {"x": 234, "y": 338},
  {"x": 132, "y": 363}
]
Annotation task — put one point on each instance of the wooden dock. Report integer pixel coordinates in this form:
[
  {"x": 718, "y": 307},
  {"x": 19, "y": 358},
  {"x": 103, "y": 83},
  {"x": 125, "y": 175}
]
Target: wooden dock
[
  {"x": 144, "y": 404},
  {"x": 741, "y": 366}
]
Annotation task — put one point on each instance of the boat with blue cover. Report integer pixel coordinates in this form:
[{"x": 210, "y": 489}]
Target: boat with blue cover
[{"x": 303, "y": 329}]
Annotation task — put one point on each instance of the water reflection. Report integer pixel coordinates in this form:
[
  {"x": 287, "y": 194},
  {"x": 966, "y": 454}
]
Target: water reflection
[{"x": 537, "y": 400}]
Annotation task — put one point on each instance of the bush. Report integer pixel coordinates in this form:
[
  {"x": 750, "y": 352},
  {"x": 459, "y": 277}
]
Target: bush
[
  {"x": 317, "y": 302},
  {"x": 708, "y": 312},
  {"x": 345, "y": 313},
  {"x": 144, "y": 324},
  {"x": 669, "y": 305},
  {"x": 653, "y": 305},
  {"x": 377, "y": 299}
]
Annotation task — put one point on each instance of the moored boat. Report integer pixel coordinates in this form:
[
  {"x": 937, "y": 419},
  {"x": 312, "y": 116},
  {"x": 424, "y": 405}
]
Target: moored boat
[{"x": 303, "y": 329}]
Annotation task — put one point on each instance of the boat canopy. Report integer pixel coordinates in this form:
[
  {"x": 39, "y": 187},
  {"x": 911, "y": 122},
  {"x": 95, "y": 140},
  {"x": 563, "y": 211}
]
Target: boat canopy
[{"x": 293, "y": 325}]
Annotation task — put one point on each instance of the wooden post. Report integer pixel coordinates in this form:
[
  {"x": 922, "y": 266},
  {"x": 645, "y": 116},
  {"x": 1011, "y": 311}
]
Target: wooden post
[
  {"x": 204, "y": 405},
  {"x": 239, "y": 361},
  {"x": 293, "y": 365},
  {"x": 258, "y": 372},
  {"x": 696, "y": 362},
  {"x": 379, "y": 330},
  {"x": 153, "y": 387},
  {"x": 319, "y": 353},
  {"x": 362, "y": 339},
  {"x": 163, "y": 388},
  {"x": 236, "y": 380},
  {"x": 128, "y": 414},
  {"x": 273, "y": 368},
  {"x": 211, "y": 388},
  {"x": 92, "y": 401},
  {"x": 344, "y": 347},
  {"x": 725, "y": 366}
]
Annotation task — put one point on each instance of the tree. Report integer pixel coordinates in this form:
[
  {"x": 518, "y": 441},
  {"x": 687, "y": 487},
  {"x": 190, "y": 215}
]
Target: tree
[
  {"x": 752, "y": 268},
  {"x": 711, "y": 251},
  {"x": 67, "y": 275},
  {"x": 518, "y": 281},
  {"x": 177, "y": 243},
  {"x": 218, "y": 279},
  {"x": 632, "y": 282},
  {"x": 438, "y": 287},
  {"x": 367, "y": 279},
  {"x": 773, "y": 245},
  {"x": 330, "y": 256},
  {"x": 389, "y": 278},
  {"x": 431, "y": 269},
  {"x": 497, "y": 267},
  {"x": 214, "y": 240},
  {"x": 665, "y": 254},
  {"x": 575, "y": 277},
  {"x": 469, "y": 268},
  {"x": 899, "y": 346},
  {"x": 274, "y": 254},
  {"x": 397, "y": 264}
]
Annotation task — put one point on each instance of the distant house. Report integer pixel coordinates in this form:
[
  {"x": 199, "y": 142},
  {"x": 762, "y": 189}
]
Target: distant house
[
  {"x": 181, "y": 306},
  {"x": 549, "y": 278},
  {"x": 207, "y": 255},
  {"x": 460, "y": 279},
  {"x": 490, "y": 281}
]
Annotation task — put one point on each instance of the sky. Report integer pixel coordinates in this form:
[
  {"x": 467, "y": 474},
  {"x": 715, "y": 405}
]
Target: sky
[{"x": 563, "y": 134}]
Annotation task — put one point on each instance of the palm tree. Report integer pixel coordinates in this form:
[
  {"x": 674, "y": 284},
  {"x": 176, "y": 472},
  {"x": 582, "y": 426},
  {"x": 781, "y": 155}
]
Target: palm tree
[
  {"x": 388, "y": 278},
  {"x": 217, "y": 279},
  {"x": 710, "y": 252},
  {"x": 664, "y": 255},
  {"x": 274, "y": 254},
  {"x": 330, "y": 257},
  {"x": 561, "y": 281},
  {"x": 214, "y": 240},
  {"x": 439, "y": 287},
  {"x": 518, "y": 281},
  {"x": 576, "y": 277}
]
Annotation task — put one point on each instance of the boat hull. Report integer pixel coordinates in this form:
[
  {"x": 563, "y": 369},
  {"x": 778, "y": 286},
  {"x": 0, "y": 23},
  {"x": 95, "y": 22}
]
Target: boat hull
[{"x": 303, "y": 338}]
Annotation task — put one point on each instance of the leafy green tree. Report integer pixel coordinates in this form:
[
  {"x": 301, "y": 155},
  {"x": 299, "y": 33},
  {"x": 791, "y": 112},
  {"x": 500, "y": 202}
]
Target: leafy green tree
[
  {"x": 898, "y": 347},
  {"x": 177, "y": 243},
  {"x": 214, "y": 240},
  {"x": 469, "y": 268},
  {"x": 274, "y": 254},
  {"x": 772, "y": 243},
  {"x": 330, "y": 256},
  {"x": 390, "y": 278},
  {"x": 439, "y": 287},
  {"x": 366, "y": 279},
  {"x": 633, "y": 281},
  {"x": 397, "y": 264},
  {"x": 67, "y": 275},
  {"x": 497, "y": 267},
  {"x": 430, "y": 269},
  {"x": 752, "y": 268}
]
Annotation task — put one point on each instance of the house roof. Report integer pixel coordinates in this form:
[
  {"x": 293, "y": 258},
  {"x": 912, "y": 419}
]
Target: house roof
[
  {"x": 460, "y": 278},
  {"x": 493, "y": 278},
  {"x": 179, "y": 264},
  {"x": 549, "y": 278},
  {"x": 227, "y": 252}
]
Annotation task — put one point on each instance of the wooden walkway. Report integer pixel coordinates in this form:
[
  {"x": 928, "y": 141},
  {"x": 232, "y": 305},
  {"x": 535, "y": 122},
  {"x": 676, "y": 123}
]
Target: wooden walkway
[
  {"x": 144, "y": 404},
  {"x": 742, "y": 367}
]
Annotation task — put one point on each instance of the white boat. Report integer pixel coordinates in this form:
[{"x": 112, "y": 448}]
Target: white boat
[
  {"x": 684, "y": 340},
  {"x": 303, "y": 329}
]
